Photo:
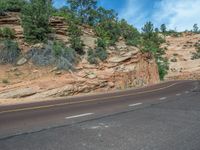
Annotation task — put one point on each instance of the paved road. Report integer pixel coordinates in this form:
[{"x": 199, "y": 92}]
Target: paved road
[{"x": 160, "y": 117}]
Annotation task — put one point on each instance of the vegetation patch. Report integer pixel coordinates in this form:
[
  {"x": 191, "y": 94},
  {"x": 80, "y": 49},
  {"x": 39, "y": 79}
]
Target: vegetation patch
[
  {"x": 6, "y": 32},
  {"x": 11, "y": 5},
  {"x": 9, "y": 52},
  {"x": 196, "y": 55},
  {"x": 5, "y": 81},
  {"x": 35, "y": 20},
  {"x": 151, "y": 43},
  {"x": 96, "y": 55},
  {"x": 54, "y": 54}
]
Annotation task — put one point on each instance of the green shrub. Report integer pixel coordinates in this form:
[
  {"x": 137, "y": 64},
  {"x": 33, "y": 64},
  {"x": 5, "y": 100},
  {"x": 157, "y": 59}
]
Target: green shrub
[
  {"x": 57, "y": 48},
  {"x": 60, "y": 50},
  {"x": 101, "y": 53},
  {"x": 101, "y": 43},
  {"x": 92, "y": 57},
  {"x": 75, "y": 38},
  {"x": 95, "y": 55},
  {"x": 5, "y": 81},
  {"x": 9, "y": 52},
  {"x": 53, "y": 54},
  {"x": 35, "y": 20},
  {"x": 163, "y": 67},
  {"x": 12, "y": 5},
  {"x": 130, "y": 34},
  {"x": 108, "y": 31},
  {"x": 7, "y": 33},
  {"x": 74, "y": 30},
  {"x": 196, "y": 55},
  {"x": 77, "y": 44}
]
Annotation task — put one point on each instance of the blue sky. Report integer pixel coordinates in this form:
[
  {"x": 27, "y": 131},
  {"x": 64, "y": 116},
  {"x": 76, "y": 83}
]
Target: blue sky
[{"x": 176, "y": 14}]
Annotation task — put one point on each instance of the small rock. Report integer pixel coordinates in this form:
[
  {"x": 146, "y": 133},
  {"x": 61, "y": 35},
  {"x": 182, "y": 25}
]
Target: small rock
[
  {"x": 13, "y": 69},
  {"x": 17, "y": 73},
  {"x": 112, "y": 48},
  {"x": 92, "y": 76},
  {"x": 38, "y": 46},
  {"x": 54, "y": 69},
  {"x": 58, "y": 73},
  {"x": 21, "y": 61}
]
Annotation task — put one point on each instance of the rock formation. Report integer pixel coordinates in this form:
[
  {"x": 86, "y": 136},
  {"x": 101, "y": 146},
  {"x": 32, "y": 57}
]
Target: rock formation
[{"x": 125, "y": 68}]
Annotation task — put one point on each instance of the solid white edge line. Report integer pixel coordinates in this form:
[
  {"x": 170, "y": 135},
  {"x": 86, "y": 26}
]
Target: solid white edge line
[
  {"x": 136, "y": 104},
  {"x": 81, "y": 115}
]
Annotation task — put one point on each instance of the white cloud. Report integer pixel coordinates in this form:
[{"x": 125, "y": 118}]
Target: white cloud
[
  {"x": 132, "y": 12},
  {"x": 179, "y": 14},
  {"x": 176, "y": 14}
]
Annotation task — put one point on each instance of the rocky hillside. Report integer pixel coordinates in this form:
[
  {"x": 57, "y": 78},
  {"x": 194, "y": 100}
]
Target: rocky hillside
[
  {"x": 125, "y": 67},
  {"x": 179, "y": 52}
]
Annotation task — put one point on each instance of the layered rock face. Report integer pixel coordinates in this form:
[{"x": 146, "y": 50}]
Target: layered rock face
[
  {"x": 179, "y": 51},
  {"x": 126, "y": 67}
]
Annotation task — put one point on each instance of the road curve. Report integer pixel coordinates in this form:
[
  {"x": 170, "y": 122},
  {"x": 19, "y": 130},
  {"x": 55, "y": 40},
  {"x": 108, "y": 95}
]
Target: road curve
[{"x": 30, "y": 118}]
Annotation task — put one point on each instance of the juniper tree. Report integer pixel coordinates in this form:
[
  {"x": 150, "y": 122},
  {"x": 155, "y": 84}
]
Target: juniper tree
[
  {"x": 195, "y": 28},
  {"x": 35, "y": 20},
  {"x": 163, "y": 28},
  {"x": 83, "y": 8}
]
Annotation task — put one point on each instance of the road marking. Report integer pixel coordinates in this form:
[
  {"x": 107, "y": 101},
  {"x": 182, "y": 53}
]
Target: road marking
[
  {"x": 163, "y": 98},
  {"x": 85, "y": 101},
  {"x": 132, "y": 105},
  {"x": 179, "y": 94},
  {"x": 186, "y": 92},
  {"x": 81, "y": 115}
]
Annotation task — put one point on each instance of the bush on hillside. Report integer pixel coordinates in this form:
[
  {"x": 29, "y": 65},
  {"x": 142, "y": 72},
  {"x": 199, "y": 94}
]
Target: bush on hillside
[
  {"x": 163, "y": 67},
  {"x": 101, "y": 43},
  {"x": 7, "y": 33},
  {"x": 77, "y": 44},
  {"x": 35, "y": 20},
  {"x": 130, "y": 34},
  {"x": 92, "y": 57},
  {"x": 108, "y": 31},
  {"x": 96, "y": 55},
  {"x": 75, "y": 38},
  {"x": 196, "y": 55},
  {"x": 101, "y": 53},
  {"x": 11, "y": 5},
  {"x": 54, "y": 54},
  {"x": 9, "y": 52},
  {"x": 67, "y": 14}
]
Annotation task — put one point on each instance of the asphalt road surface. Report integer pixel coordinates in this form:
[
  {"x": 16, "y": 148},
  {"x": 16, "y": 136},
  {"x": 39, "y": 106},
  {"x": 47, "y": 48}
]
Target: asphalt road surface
[{"x": 160, "y": 117}]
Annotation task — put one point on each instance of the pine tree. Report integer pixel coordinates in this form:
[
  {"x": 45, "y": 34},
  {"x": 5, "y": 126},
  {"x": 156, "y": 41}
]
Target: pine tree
[
  {"x": 163, "y": 28},
  {"x": 148, "y": 30},
  {"x": 83, "y": 8},
  {"x": 35, "y": 20},
  {"x": 11, "y": 5},
  {"x": 195, "y": 28}
]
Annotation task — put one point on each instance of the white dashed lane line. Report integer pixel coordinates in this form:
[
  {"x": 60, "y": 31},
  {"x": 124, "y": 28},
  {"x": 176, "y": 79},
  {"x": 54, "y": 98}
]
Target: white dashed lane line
[
  {"x": 163, "y": 98},
  {"x": 81, "y": 115},
  {"x": 136, "y": 104},
  {"x": 179, "y": 94}
]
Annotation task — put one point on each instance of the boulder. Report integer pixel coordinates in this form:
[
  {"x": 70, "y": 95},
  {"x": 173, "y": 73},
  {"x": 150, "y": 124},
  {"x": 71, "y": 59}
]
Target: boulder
[
  {"x": 18, "y": 93},
  {"x": 22, "y": 61}
]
